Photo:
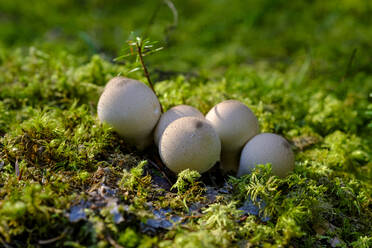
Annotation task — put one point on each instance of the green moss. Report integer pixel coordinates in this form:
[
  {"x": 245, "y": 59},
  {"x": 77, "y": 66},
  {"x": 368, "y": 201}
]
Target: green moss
[
  {"x": 186, "y": 179},
  {"x": 135, "y": 180},
  {"x": 48, "y": 137},
  {"x": 129, "y": 238},
  {"x": 201, "y": 238}
]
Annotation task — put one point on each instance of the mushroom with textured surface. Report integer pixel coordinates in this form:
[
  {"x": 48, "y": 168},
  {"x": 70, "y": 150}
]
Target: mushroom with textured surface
[
  {"x": 172, "y": 115},
  {"x": 131, "y": 108},
  {"x": 267, "y": 148},
  {"x": 235, "y": 124},
  {"x": 189, "y": 143}
]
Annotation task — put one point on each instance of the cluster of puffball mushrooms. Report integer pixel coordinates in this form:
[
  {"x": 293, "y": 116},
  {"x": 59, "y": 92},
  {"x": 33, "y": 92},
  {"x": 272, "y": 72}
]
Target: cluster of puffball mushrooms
[{"x": 229, "y": 133}]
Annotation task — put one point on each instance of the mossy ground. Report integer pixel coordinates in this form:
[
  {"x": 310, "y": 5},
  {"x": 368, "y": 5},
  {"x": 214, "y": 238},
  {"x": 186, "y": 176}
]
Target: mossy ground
[{"x": 67, "y": 180}]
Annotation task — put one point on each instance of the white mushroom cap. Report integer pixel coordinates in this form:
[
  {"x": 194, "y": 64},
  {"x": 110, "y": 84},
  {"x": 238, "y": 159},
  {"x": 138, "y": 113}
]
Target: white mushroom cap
[
  {"x": 189, "y": 143},
  {"x": 267, "y": 148},
  {"x": 131, "y": 108},
  {"x": 172, "y": 115},
  {"x": 235, "y": 124}
]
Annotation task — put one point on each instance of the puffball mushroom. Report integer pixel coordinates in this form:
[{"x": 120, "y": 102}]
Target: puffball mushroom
[
  {"x": 172, "y": 115},
  {"x": 267, "y": 148},
  {"x": 131, "y": 108},
  {"x": 189, "y": 143},
  {"x": 235, "y": 124}
]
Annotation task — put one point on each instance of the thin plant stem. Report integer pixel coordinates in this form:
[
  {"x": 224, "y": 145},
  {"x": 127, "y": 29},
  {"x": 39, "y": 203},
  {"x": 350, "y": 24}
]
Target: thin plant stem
[
  {"x": 147, "y": 75},
  {"x": 349, "y": 64}
]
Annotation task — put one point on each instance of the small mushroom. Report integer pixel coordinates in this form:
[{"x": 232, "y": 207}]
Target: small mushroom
[
  {"x": 131, "y": 108},
  {"x": 235, "y": 124},
  {"x": 189, "y": 143},
  {"x": 267, "y": 148},
  {"x": 172, "y": 115}
]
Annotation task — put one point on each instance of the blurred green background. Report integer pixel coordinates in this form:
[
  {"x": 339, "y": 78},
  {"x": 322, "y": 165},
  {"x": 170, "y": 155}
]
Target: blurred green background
[{"x": 200, "y": 35}]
